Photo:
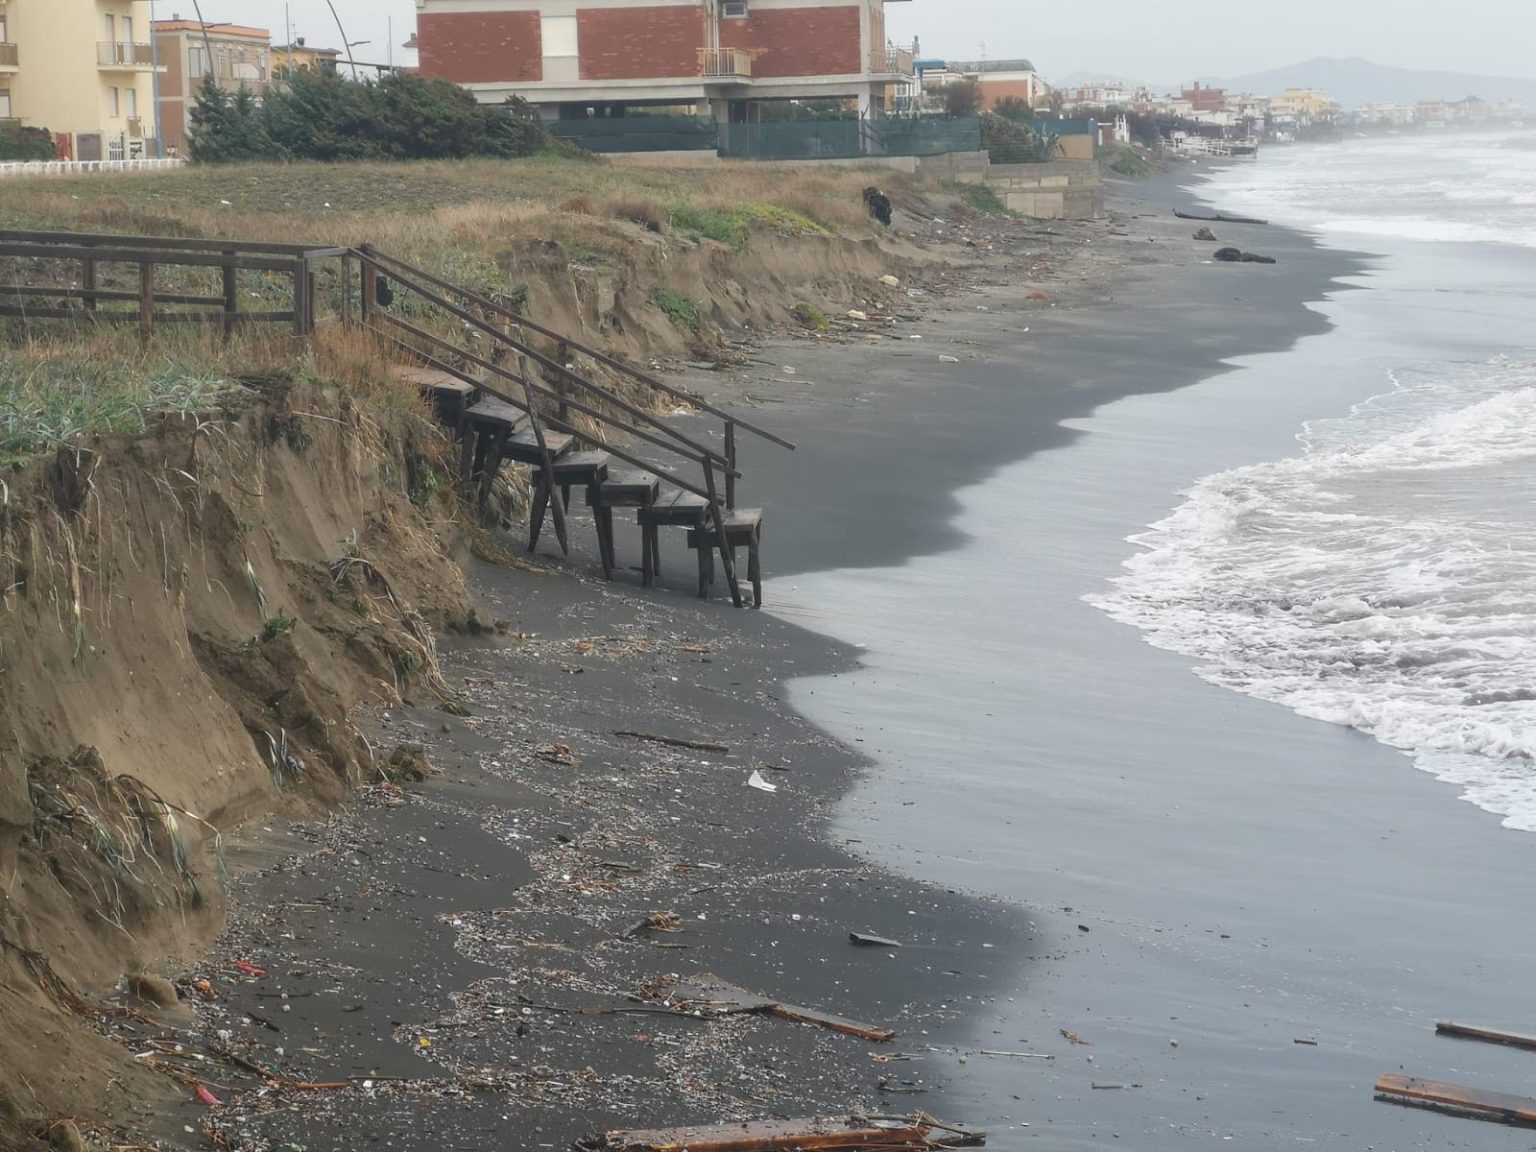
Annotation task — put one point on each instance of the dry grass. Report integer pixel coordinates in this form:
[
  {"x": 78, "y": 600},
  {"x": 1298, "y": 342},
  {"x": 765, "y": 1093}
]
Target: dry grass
[{"x": 647, "y": 213}]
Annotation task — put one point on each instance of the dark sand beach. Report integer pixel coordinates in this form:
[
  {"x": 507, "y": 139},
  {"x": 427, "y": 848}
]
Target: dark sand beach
[{"x": 1188, "y": 919}]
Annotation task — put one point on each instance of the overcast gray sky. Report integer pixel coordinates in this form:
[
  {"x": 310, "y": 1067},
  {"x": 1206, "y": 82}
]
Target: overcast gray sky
[{"x": 1137, "y": 39}]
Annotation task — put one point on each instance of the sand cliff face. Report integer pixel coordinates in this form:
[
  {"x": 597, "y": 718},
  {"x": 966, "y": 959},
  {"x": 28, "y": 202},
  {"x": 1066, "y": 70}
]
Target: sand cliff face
[{"x": 187, "y": 618}]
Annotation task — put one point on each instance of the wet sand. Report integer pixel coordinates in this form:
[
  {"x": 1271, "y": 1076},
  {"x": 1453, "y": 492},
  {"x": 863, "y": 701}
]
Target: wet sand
[{"x": 513, "y": 876}]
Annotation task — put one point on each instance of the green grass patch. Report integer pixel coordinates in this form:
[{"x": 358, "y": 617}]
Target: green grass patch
[
  {"x": 731, "y": 226},
  {"x": 984, "y": 200},
  {"x": 274, "y": 626},
  {"x": 50, "y": 403},
  {"x": 811, "y": 316},
  {"x": 680, "y": 309},
  {"x": 1127, "y": 162}
]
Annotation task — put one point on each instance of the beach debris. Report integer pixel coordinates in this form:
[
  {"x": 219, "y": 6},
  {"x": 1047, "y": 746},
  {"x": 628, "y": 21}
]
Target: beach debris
[
  {"x": 1084, "y": 928},
  {"x": 1072, "y": 1037},
  {"x": 1019, "y": 1055},
  {"x": 1413, "y": 1091},
  {"x": 1218, "y": 217},
  {"x": 890, "y": 281},
  {"x": 879, "y": 205},
  {"x": 1488, "y": 1035},
  {"x": 856, "y": 314},
  {"x": 250, "y": 969},
  {"x": 709, "y": 996},
  {"x": 675, "y": 741},
  {"x": 760, "y": 782},
  {"x": 850, "y": 1134},
  {"x": 1308, "y": 1043},
  {"x": 656, "y": 922},
  {"x": 207, "y": 1097},
  {"x": 901, "y": 1087},
  {"x": 949, "y": 359},
  {"x": 1205, "y": 234},
  {"x": 1037, "y": 295},
  {"x": 871, "y": 941},
  {"x": 152, "y": 990},
  {"x": 1238, "y": 256},
  {"x": 558, "y": 754}
]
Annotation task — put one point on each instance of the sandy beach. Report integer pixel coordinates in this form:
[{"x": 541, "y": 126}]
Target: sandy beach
[{"x": 465, "y": 961}]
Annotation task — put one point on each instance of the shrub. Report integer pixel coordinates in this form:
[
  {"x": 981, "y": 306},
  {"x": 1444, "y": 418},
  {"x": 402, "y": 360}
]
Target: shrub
[
  {"x": 984, "y": 200},
  {"x": 811, "y": 316},
  {"x": 962, "y": 98},
  {"x": 579, "y": 206},
  {"x": 324, "y": 116},
  {"x": 18, "y": 143},
  {"x": 680, "y": 309}
]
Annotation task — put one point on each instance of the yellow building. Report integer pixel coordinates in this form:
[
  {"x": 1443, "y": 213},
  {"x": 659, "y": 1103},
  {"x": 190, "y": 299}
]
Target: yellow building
[
  {"x": 241, "y": 58},
  {"x": 84, "y": 70},
  {"x": 1302, "y": 104},
  {"x": 300, "y": 57}
]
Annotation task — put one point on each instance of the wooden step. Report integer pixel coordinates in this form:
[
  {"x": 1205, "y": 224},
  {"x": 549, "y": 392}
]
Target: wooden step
[
  {"x": 433, "y": 380},
  {"x": 524, "y": 446},
  {"x": 494, "y": 412},
  {"x": 579, "y": 466},
  {"x": 677, "y": 507},
  {"x": 741, "y": 525},
  {"x": 628, "y": 488}
]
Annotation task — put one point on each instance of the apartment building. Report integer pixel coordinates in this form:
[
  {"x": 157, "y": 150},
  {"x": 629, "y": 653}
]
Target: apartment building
[
  {"x": 574, "y": 57},
  {"x": 236, "y": 56},
  {"x": 84, "y": 70}
]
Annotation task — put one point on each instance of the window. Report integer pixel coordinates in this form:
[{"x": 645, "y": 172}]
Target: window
[
  {"x": 127, "y": 29},
  {"x": 111, "y": 28},
  {"x": 559, "y": 35},
  {"x": 113, "y": 103},
  {"x": 4, "y": 39},
  {"x": 133, "y": 102},
  {"x": 5, "y": 103},
  {"x": 733, "y": 9},
  {"x": 197, "y": 61}
]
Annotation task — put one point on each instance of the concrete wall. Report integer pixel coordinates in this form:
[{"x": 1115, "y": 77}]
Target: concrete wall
[{"x": 1060, "y": 190}]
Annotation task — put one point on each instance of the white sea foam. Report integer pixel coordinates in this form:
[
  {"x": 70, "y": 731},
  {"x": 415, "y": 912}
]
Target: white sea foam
[{"x": 1384, "y": 578}]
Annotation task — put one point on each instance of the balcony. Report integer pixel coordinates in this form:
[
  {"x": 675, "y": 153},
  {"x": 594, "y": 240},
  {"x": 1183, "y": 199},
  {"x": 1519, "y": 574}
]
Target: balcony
[
  {"x": 10, "y": 59},
  {"x": 891, "y": 62},
  {"x": 725, "y": 64},
  {"x": 124, "y": 56}
]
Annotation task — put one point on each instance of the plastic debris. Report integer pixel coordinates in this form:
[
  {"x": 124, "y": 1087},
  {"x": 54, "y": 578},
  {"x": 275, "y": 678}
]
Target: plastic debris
[{"x": 757, "y": 780}]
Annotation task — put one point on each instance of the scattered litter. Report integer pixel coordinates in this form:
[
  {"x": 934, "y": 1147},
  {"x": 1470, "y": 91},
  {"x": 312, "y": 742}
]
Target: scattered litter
[
  {"x": 558, "y": 754},
  {"x": 813, "y": 1135},
  {"x": 1106, "y": 1087},
  {"x": 1072, "y": 1036},
  {"x": 1019, "y": 1055},
  {"x": 758, "y": 781},
  {"x": 890, "y": 281},
  {"x": 1238, "y": 256},
  {"x": 250, "y": 969},
  {"x": 1490, "y": 1035},
  {"x": 207, "y": 1097},
  {"x": 657, "y": 922},
  {"x": 788, "y": 371},
  {"x": 949, "y": 359},
  {"x": 855, "y": 314},
  {"x": 676, "y": 742},
  {"x": 709, "y": 996},
  {"x": 1308, "y": 1043},
  {"x": 872, "y": 941},
  {"x": 1414, "y": 1092}
]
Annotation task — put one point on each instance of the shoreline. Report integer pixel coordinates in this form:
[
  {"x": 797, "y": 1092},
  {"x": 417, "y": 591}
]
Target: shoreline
[{"x": 519, "y": 805}]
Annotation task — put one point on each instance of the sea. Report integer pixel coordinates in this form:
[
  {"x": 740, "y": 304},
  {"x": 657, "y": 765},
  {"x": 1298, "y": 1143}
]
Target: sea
[
  {"x": 1232, "y": 693},
  {"x": 1383, "y": 576}
]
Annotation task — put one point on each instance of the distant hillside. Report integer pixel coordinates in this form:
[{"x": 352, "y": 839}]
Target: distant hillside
[{"x": 1353, "y": 82}]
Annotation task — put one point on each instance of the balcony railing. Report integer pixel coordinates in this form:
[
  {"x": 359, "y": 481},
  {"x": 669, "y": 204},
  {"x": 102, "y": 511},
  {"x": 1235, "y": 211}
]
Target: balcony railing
[
  {"x": 124, "y": 54},
  {"x": 9, "y": 57},
  {"x": 725, "y": 63},
  {"x": 891, "y": 62}
]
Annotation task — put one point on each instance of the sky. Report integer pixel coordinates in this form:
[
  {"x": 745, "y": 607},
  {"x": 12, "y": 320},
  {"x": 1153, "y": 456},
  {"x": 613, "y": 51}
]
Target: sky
[{"x": 1131, "y": 39}]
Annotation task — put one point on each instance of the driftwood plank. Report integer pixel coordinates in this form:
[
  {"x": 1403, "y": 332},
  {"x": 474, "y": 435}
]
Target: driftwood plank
[
  {"x": 1491, "y": 1035},
  {"x": 710, "y": 995},
  {"x": 1493, "y": 1105},
  {"x": 771, "y": 1136}
]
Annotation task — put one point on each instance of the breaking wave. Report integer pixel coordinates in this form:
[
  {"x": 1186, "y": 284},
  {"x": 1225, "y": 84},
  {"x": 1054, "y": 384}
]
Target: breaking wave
[{"x": 1384, "y": 578}]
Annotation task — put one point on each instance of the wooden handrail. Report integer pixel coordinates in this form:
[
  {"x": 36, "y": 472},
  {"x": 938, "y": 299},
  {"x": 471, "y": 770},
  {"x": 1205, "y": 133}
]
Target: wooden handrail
[
  {"x": 648, "y": 380},
  {"x": 168, "y": 242},
  {"x": 703, "y": 451}
]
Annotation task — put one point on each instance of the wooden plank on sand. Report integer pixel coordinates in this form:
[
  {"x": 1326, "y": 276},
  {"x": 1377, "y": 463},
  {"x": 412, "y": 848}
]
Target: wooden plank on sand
[
  {"x": 1492, "y": 1105},
  {"x": 1491, "y": 1035},
  {"x": 814, "y": 1135},
  {"x": 712, "y": 996}
]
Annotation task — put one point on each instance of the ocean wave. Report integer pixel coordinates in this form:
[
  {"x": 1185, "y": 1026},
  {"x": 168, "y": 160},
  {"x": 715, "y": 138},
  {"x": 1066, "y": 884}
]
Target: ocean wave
[{"x": 1384, "y": 578}]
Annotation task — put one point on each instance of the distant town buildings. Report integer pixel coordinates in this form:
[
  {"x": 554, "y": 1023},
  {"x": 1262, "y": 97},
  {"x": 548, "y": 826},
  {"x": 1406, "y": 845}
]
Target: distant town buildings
[{"x": 241, "y": 57}]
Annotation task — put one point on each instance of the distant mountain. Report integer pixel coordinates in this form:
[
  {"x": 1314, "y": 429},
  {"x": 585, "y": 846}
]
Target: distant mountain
[{"x": 1353, "y": 82}]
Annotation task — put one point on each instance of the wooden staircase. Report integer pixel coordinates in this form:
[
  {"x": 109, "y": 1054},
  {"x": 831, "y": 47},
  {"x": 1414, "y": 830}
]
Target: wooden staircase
[{"x": 507, "y": 401}]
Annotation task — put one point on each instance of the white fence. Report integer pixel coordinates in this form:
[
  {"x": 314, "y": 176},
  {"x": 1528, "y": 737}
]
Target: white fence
[{"x": 85, "y": 167}]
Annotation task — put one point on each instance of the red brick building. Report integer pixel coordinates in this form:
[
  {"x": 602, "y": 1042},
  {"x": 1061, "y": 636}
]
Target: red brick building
[{"x": 572, "y": 56}]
